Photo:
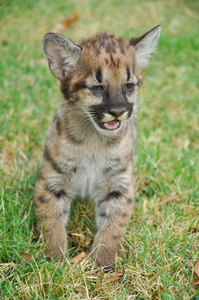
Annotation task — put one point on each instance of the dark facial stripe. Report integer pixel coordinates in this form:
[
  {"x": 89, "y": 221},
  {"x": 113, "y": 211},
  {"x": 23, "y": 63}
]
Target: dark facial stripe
[
  {"x": 128, "y": 74},
  {"x": 79, "y": 85},
  {"x": 121, "y": 46},
  {"x": 98, "y": 75},
  {"x": 68, "y": 90},
  {"x": 112, "y": 60}
]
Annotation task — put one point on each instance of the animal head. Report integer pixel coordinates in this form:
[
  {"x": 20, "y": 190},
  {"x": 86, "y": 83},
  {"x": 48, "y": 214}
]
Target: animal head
[{"x": 101, "y": 75}]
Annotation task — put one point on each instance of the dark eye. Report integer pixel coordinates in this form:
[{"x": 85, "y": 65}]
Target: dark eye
[
  {"x": 97, "y": 88},
  {"x": 129, "y": 86}
]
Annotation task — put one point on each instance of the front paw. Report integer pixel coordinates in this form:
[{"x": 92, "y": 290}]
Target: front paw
[
  {"x": 54, "y": 252},
  {"x": 56, "y": 248},
  {"x": 104, "y": 257}
]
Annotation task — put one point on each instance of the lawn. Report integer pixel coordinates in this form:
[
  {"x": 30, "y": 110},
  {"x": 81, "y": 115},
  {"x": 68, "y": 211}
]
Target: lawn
[{"x": 162, "y": 240}]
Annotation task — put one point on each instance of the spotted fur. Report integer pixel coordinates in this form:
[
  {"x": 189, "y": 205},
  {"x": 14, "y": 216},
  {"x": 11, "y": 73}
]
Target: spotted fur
[{"x": 90, "y": 145}]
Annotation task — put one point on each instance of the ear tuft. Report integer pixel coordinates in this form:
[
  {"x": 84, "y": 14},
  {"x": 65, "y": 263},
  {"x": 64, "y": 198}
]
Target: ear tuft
[
  {"x": 144, "y": 46},
  {"x": 62, "y": 54}
]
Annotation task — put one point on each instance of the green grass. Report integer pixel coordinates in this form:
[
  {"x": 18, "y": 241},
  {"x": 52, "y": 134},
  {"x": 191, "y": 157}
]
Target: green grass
[{"x": 161, "y": 242}]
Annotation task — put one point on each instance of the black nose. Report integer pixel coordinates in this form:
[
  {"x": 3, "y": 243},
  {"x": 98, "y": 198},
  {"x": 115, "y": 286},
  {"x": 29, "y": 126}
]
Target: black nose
[{"x": 117, "y": 111}]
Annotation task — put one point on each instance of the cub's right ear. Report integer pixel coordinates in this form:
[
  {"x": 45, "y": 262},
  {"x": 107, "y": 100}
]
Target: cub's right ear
[{"x": 62, "y": 54}]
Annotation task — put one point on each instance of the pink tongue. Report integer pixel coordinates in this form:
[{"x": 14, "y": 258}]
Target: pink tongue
[{"x": 113, "y": 122}]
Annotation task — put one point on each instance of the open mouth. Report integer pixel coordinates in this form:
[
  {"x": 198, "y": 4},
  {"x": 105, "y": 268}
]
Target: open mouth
[{"x": 110, "y": 125}]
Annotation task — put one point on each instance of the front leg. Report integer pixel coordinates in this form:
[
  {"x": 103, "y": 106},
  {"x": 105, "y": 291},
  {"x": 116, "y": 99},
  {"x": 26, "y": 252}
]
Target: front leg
[
  {"x": 112, "y": 217},
  {"x": 52, "y": 210}
]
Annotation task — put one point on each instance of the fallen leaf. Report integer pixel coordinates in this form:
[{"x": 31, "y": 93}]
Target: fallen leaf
[
  {"x": 196, "y": 267},
  {"x": 170, "y": 198},
  {"x": 66, "y": 23},
  {"x": 196, "y": 273},
  {"x": 155, "y": 294},
  {"x": 196, "y": 283},
  {"x": 71, "y": 19},
  {"x": 26, "y": 256},
  {"x": 112, "y": 278},
  {"x": 77, "y": 258}
]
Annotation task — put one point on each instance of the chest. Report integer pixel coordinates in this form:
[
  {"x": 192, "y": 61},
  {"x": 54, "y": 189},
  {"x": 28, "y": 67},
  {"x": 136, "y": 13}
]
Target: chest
[
  {"x": 91, "y": 174},
  {"x": 88, "y": 178}
]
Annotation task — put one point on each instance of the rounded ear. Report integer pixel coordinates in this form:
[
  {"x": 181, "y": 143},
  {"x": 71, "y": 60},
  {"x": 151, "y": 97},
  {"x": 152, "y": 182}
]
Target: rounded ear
[
  {"x": 144, "y": 46},
  {"x": 62, "y": 54}
]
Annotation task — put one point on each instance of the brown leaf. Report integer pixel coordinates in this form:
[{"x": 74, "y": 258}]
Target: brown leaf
[
  {"x": 170, "y": 198},
  {"x": 112, "y": 278},
  {"x": 196, "y": 267},
  {"x": 71, "y": 19},
  {"x": 77, "y": 258},
  {"x": 196, "y": 273},
  {"x": 26, "y": 256},
  {"x": 155, "y": 294},
  {"x": 58, "y": 28},
  {"x": 195, "y": 283}
]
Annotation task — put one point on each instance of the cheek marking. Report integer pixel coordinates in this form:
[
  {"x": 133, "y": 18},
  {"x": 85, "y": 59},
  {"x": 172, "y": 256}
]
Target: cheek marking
[
  {"x": 107, "y": 117},
  {"x": 98, "y": 75},
  {"x": 128, "y": 74},
  {"x": 124, "y": 116}
]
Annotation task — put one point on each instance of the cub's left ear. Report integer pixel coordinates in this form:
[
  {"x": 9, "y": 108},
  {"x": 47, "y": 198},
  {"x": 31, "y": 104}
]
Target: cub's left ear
[
  {"x": 144, "y": 46},
  {"x": 62, "y": 54}
]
